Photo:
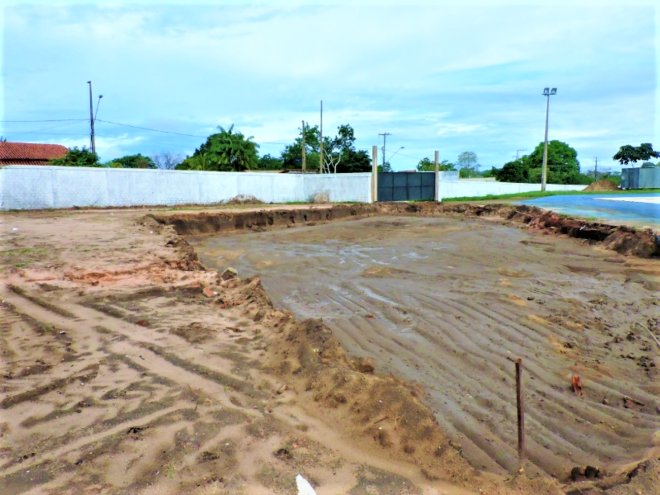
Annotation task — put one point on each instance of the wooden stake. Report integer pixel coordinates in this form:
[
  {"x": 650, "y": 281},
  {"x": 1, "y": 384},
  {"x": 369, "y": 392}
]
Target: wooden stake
[{"x": 521, "y": 415}]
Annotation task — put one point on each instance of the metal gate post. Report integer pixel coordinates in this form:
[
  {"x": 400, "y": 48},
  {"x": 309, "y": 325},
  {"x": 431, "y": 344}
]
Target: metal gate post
[
  {"x": 436, "y": 161},
  {"x": 374, "y": 174}
]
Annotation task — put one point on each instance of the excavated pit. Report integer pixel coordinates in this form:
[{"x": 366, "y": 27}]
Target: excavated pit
[
  {"x": 445, "y": 295},
  {"x": 626, "y": 240}
]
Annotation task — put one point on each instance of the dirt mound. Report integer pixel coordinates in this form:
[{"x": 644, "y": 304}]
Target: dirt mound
[
  {"x": 209, "y": 223},
  {"x": 640, "y": 480},
  {"x": 625, "y": 240},
  {"x": 244, "y": 199},
  {"x": 602, "y": 185},
  {"x": 385, "y": 414},
  {"x": 384, "y": 410}
]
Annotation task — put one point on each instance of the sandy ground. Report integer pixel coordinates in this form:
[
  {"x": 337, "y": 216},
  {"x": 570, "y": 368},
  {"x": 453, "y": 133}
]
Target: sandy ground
[{"x": 127, "y": 368}]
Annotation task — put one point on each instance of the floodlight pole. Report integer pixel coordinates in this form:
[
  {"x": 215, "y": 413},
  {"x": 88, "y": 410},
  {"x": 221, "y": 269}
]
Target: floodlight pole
[{"x": 547, "y": 92}]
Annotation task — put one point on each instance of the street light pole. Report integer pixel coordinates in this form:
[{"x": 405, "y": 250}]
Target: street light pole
[
  {"x": 547, "y": 92},
  {"x": 91, "y": 120},
  {"x": 394, "y": 154},
  {"x": 98, "y": 103}
]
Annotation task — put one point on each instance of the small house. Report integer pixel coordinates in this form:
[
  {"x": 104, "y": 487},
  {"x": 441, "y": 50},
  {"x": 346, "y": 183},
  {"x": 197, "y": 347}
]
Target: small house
[{"x": 30, "y": 153}]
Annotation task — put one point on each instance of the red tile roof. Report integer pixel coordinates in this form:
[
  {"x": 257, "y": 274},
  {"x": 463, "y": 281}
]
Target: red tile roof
[{"x": 30, "y": 153}]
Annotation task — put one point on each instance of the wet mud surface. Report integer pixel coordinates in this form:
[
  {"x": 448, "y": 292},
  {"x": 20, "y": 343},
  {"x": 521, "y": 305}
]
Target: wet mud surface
[{"x": 448, "y": 303}]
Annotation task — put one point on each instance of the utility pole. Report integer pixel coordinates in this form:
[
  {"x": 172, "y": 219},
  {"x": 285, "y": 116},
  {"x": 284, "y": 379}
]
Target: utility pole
[
  {"x": 304, "y": 151},
  {"x": 547, "y": 92},
  {"x": 321, "y": 143},
  {"x": 384, "y": 134},
  {"x": 596, "y": 169},
  {"x": 91, "y": 119}
]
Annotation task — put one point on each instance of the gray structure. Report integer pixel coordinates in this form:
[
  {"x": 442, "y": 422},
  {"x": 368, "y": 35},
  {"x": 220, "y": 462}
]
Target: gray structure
[
  {"x": 406, "y": 186},
  {"x": 640, "y": 178}
]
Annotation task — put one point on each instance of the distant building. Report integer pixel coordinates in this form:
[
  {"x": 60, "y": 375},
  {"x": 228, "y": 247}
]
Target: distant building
[
  {"x": 640, "y": 178},
  {"x": 30, "y": 153}
]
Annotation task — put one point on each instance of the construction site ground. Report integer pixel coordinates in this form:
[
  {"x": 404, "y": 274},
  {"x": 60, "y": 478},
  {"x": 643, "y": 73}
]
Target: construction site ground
[{"x": 376, "y": 358}]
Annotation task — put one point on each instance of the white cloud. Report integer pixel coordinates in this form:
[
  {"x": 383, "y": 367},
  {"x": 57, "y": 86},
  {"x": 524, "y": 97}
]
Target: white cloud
[
  {"x": 106, "y": 147},
  {"x": 449, "y": 129},
  {"x": 452, "y": 76}
]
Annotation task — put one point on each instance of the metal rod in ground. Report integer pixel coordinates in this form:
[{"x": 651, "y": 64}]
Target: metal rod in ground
[{"x": 521, "y": 414}]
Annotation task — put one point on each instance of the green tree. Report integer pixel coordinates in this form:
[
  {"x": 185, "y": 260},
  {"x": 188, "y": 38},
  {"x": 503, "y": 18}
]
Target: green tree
[
  {"x": 386, "y": 167},
  {"x": 515, "y": 171},
  {"x": 132, "y": 161},
  {"x": 224, "y": 151},
  {"x": 78, "y": 157},
  {"x": 467, "y": 159},
  {"x": 426, "y": 165},
  {"x": 339, "y": 153},
  {"x": 292, "y": 155},
  {"x": 268, "y": 162},
  {"x": 354, "y": 161},
  {"x": 469, "y": 168},
  {"x": 563, "y": 166},
  {"x": 167, "y": 160},
  {"x": 631, "y": 154},
  {"x": 490, "y": 173}
]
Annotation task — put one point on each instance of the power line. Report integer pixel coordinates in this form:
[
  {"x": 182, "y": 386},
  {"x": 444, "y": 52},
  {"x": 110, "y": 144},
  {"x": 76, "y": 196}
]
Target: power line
[
  {"x": 149, "y": 129},
  {"x": 41, "y": 120},
  {"x": 121, "y": 124},
  {"x": 46, "y": 133}
]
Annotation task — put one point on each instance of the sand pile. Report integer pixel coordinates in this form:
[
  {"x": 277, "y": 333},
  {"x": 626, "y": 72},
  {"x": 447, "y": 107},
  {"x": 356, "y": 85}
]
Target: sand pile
[{"x": 602, "y": 185}]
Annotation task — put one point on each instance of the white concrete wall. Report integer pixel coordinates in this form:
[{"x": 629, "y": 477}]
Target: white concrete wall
[
  {"x": 448, "y": 187},
  {"x": 37, "y": 187}
]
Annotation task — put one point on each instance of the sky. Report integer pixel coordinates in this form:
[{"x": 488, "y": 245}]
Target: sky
[{"x": 444, "y": 75}]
